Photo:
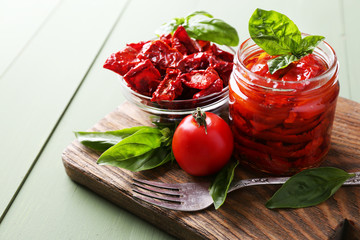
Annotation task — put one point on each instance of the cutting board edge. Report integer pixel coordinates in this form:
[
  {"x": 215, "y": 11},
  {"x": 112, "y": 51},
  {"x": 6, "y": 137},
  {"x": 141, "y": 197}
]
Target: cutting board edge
[{"x": 124, "y": 201}]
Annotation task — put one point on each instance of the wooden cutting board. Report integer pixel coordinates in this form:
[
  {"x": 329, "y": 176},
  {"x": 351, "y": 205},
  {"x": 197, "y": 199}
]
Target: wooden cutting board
[{"x": 243, "y": 216}]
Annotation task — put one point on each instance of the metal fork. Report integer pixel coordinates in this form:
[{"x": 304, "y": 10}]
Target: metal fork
[{"x": 195, "y": 196}]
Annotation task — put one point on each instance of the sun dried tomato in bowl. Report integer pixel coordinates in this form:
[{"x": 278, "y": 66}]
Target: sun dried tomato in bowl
[{"x": 174, "y": 74}]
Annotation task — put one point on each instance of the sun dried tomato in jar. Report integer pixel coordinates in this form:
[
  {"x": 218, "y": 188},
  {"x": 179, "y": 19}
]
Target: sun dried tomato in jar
[{"x": 282, "y": 122}]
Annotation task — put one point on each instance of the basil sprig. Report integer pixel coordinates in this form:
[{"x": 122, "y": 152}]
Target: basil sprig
[
  {"x": 134, "y": 149},
  {"x": 309, "y": 188},
  {"x": 220, "y": 186},
  {"x": 202, "y": 25},
  {"x": 101, "y": 141},
  {"x": 276, "y": 34}
]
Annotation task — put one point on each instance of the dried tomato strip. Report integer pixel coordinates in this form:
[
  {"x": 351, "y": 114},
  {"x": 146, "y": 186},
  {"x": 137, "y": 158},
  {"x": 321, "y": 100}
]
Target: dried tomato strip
[
  {"x": 138, "y": 46},
  {"x": 166, "y": 39},
  {"x": 183, "y": 43},
  {"x": 144, "y": 78},
  {"x": 275, "y": 165},
  {"x": 122, "y": 61},
  {"x": 223, "y": 68},
  {"x": 161, "y": 54},
  {"x": 216, "y": 86},
  {"x": 200, "y": 79},
  {"x": 194, "y": 61},
  {"x": 221, "y": 54},
  {"x": 169, "y": 88}
]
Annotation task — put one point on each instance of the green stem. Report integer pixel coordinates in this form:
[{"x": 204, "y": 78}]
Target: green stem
[{"x": 200, "y": 118}]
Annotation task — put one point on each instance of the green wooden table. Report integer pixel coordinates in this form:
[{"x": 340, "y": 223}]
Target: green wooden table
[{"x": 52, "y": 83}]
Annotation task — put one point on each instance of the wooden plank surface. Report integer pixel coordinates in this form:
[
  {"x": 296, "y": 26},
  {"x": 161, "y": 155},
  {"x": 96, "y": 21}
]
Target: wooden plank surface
[
  {"x": 37, "y": 88},
  {"x": 352, "y": 46},
  {"x": 20, "y": 21},
  {"x": 243, "y": 216},
  {"x": 73, "y": 212}
]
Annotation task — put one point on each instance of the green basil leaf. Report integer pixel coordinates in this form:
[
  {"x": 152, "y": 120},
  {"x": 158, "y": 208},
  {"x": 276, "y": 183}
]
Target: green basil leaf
[
  {"x": 148, "y": 160},
  {"x": 196, "y": 13},
  {"x": 161, "y": 125},
  {"x": 220, "y": 186},
  {"x": 280, "y": 62},
  {"x": 167, "y": 136},
  {"x": 173, "y": 24},
  {"x": 169, "y": 27},
  {"x": 274, "y": 32},
  {"x": 308, "y": 44},
  {"x": 101, "y": 141},
  {"x": 213, "y": 30},
  {"x": 202, "y": 26},
  {"x": 135, "y": 145},
  {"x": 309, "y": 188}
]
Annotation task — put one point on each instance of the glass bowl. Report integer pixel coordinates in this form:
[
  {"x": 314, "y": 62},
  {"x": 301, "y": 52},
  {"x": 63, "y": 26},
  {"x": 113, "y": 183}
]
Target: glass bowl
[{"x": 176, "y": 110}]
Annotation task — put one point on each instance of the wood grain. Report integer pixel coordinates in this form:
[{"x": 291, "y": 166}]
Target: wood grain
[
  {"x": 34, "y": 93},
  {"x": 243, "y": 216},
  {"x": 20, "y": 22}
]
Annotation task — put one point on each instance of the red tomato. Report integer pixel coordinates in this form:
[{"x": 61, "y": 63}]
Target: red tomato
[{"x": 199, "y": 153}]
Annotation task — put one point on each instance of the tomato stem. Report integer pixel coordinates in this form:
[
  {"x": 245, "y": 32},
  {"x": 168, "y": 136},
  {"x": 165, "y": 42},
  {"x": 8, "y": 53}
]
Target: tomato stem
[{"x": 200, "y": 118}]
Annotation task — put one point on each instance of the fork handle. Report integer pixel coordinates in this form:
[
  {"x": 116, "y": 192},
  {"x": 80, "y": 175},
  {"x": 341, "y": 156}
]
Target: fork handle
[{"x": 355, "y": 180}]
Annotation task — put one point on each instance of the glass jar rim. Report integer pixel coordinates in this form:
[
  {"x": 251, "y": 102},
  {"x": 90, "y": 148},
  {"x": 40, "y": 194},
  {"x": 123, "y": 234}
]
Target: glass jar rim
[{"x": 333, "y": 64}]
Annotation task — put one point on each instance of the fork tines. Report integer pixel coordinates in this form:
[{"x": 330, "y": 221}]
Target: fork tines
[{"x": 160, "y": 194}]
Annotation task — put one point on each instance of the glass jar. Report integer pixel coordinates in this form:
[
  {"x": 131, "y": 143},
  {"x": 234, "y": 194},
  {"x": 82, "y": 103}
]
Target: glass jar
[{"x": 282, "y": 127}]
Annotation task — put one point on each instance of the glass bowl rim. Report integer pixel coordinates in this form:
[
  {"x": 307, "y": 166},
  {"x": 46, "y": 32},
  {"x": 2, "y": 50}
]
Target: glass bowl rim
[{"x": 178, "y": 101}]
